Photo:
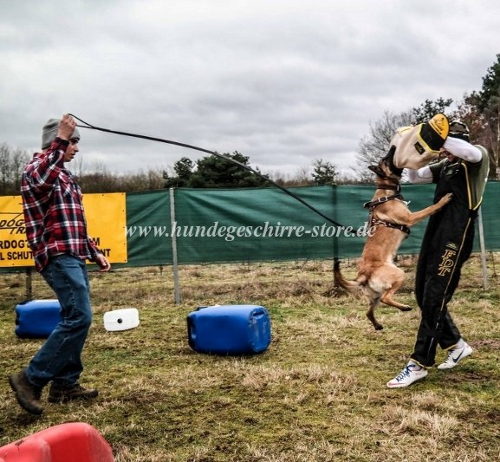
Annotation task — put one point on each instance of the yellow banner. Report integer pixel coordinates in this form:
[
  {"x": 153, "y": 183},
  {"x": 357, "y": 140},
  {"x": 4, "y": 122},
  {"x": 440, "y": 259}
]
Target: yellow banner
[{"x": 106, "y": 222}]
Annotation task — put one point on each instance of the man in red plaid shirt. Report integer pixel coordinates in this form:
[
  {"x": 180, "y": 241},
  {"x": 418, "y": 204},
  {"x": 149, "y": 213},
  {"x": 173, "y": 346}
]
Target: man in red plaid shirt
[{"x": 56, "y": 230}]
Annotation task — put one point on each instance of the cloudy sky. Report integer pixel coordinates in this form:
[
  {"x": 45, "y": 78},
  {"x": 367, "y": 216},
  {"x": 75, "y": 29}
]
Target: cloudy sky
[{"x": 283, "y": 82}]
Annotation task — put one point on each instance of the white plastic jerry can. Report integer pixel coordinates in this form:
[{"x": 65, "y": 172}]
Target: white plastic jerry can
[{"x": 123, "y": 319}]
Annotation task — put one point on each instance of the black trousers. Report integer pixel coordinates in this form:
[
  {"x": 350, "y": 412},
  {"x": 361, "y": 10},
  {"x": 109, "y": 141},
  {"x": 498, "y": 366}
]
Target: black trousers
[{"x": 447, "y": 244}]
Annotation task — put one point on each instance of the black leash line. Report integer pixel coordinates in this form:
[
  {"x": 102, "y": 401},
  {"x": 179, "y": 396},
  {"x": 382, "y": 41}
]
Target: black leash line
[{"x": 196, "y": 148}]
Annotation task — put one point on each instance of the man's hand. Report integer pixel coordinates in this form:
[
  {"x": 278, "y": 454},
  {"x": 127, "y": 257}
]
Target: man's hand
[
  {"x": 66, "y": 127},
  {"x": 103, "y": 262}
]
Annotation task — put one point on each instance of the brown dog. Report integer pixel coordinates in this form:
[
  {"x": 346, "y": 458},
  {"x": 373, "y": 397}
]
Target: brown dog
[{"x": 390, "y": 222}]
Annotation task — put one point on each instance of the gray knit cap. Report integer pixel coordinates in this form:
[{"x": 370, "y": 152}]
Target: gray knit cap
[{"x": 50, "y": 131}]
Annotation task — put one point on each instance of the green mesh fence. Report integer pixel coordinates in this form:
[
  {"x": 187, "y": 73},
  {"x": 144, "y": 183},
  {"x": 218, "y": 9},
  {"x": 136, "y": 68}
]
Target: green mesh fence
[
  {"x": 238, "y": 225},
  {"x": 264, "y": 224}
]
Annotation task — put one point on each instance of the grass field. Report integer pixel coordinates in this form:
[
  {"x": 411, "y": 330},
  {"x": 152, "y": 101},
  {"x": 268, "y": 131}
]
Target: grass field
[{"x": 317, "y": 394}]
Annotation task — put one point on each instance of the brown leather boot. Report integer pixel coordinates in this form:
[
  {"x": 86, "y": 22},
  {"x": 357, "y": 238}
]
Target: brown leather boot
[
  {"x": 27, "y": 395},
  {"x": 63, "y": 394}
]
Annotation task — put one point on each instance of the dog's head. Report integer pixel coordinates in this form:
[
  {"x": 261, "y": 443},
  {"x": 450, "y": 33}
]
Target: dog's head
[{"x": 385, "y": 169}]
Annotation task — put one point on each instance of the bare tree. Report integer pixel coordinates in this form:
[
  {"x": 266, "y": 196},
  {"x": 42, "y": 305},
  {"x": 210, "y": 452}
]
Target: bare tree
[
  {"x": 12, "y": 161},
  {"x": 375, "y": 146},
  {"x": 301, "y": 177}
]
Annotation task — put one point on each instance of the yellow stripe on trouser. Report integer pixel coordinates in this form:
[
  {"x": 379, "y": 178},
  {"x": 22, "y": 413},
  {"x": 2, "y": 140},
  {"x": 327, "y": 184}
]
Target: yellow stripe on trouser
[{"x": 443, "y": 303}]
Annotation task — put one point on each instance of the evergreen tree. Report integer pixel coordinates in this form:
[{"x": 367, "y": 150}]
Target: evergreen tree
[
  {"x": 323, "y": 172},
  {"x": 429, "y": 109},
  {"x": 486, "y": 105},
  {"x": 490, "y": 91},
  {"x": 489, "y": 105},
  {"x": 184, "y": 172},
  {"x": 213, "y": 171}
]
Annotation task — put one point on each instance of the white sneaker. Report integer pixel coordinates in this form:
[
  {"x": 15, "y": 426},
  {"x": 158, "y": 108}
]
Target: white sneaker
[
  {"x": 410, "y": 373},
  {"x": 455, "y": 355}
]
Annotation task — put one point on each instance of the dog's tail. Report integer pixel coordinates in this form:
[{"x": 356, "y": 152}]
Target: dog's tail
[{"x": 340, "y": 281}]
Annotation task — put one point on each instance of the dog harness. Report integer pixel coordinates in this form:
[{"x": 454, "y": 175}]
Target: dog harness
[{"x": 371, "y": 205}]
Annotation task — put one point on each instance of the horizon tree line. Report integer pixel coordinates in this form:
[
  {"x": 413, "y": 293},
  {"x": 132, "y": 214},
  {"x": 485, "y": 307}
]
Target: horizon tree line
[{"x": 480, "y": 110}]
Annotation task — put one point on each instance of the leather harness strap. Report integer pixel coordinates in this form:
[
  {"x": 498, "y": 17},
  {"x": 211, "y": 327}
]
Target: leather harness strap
[
  {"x": 373, "y": 204},
  {"x": 376, "y": 221}
]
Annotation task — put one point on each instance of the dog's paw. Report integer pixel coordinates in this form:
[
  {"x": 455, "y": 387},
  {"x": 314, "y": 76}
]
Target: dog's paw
[{"x": 446, "y": 198}]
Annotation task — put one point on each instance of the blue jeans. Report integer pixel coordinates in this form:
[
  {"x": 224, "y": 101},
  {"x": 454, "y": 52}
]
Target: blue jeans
[{"x": 59, "y": 359}]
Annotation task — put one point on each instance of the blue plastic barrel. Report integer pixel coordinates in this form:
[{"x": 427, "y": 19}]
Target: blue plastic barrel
[
  {"x": 229, "y": 329},
  {"x": 37, "y": 318}
]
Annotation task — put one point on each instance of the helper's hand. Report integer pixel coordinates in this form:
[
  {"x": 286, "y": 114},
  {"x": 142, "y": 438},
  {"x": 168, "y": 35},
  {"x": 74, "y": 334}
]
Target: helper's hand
[{"x": 66, "y": 127}]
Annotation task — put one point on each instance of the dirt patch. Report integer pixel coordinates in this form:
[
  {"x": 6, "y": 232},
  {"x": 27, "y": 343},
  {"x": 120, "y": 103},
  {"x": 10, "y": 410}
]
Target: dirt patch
[{"x": 494, "y": 344}]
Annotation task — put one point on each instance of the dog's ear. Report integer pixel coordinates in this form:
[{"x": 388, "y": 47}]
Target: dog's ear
[{"x": 377, "y": 170}]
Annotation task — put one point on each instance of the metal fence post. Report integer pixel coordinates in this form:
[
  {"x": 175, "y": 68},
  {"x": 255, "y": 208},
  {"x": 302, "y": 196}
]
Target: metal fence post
[
  {"x": 29, "y": 283},
  {"x": 482, "y": 247},
  {"x": 175, "y": 262}
]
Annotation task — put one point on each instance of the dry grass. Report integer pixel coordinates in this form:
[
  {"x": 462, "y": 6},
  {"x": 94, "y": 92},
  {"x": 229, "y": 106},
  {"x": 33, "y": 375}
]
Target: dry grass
[{"x": 317, "y": 394}]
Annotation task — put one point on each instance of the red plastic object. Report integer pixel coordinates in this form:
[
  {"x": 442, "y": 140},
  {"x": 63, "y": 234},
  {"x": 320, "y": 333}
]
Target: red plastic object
[{"x": 70, "y": 442}]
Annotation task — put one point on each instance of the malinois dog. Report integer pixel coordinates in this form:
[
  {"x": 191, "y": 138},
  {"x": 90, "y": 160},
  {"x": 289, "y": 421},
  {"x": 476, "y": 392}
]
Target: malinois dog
[{"x": 390, "y": 222}]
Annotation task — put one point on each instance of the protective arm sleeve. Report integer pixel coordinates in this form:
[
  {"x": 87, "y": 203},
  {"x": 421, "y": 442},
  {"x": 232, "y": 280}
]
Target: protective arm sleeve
[
  {"x": 463, "y": 149},
  {"x": 422, "y": 175}
]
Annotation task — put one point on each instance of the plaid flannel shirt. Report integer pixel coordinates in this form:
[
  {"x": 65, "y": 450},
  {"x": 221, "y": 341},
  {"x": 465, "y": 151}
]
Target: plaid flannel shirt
[{"x": 53, "y": 209}]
